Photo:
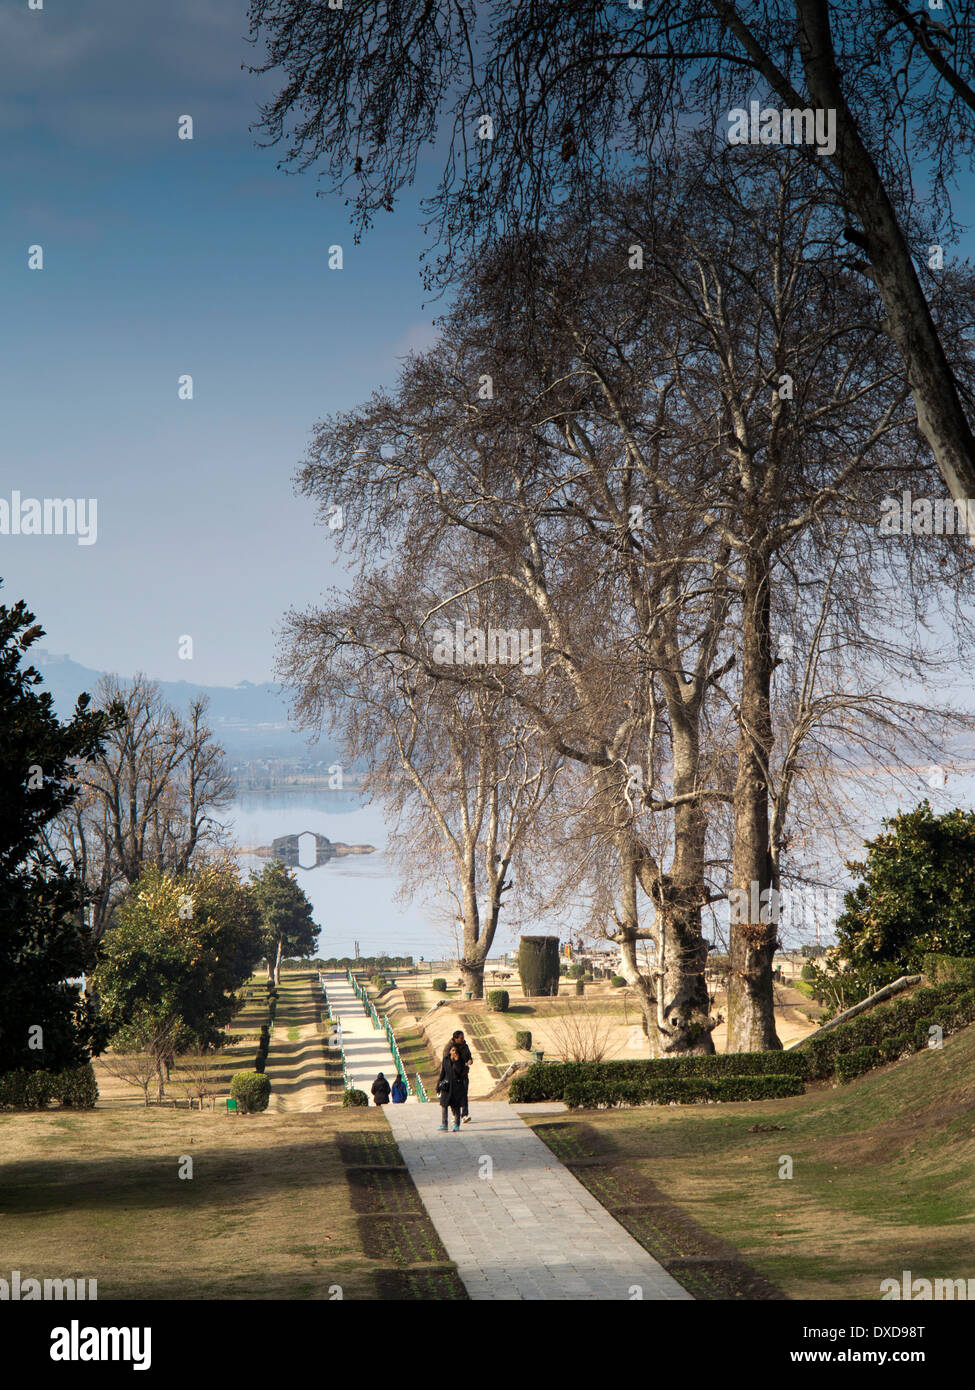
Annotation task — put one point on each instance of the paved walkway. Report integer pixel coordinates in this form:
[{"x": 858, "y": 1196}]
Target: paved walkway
[
  {"x": 367, "y": 1052},
  {"x": 513, "y": 1218}
]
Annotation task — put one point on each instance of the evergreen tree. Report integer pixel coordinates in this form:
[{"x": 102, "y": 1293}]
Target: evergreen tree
[
  {"x": 285, "y": 916},
  {"x": 44, "y": 1021}
]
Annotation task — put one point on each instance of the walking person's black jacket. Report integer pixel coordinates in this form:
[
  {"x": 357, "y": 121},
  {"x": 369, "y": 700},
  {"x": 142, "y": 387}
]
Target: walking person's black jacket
[
  {"x": 455, "y": 1074},
  {"x": 380, "y": 1090}
]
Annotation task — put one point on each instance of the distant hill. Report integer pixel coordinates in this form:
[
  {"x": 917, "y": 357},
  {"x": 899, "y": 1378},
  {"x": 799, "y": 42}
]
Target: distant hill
[{"x": 250, "y": 720}]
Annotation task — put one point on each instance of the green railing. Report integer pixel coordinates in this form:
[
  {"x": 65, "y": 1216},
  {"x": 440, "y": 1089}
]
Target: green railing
[
  {"x": 420, "y": 1090},
  {"x": 394, "y": 1049}
]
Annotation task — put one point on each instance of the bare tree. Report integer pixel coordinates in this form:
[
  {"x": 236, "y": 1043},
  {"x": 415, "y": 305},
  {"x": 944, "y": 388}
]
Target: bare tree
[
  {"x": 466, "y": 786},
  {"x": 149, "y": 799},
  {"x": 536, "y": 104}
]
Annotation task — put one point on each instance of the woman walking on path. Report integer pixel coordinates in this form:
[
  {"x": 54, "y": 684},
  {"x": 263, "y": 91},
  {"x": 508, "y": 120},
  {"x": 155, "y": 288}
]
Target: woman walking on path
[
  {"x": 380, "y": 1090},
  {"x": 452, "y": 1087}
]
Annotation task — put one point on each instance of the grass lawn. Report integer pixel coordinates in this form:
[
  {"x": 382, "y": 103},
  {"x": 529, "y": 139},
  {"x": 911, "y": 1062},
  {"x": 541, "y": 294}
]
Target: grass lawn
[
  {"x": 883, "y": 1178},
  {"x": 279, "y": 1206}
]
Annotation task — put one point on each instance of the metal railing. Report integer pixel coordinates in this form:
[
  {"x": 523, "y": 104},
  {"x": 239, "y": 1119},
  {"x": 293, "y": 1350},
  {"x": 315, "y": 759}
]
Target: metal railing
[{"x": 420, "y": 1089}]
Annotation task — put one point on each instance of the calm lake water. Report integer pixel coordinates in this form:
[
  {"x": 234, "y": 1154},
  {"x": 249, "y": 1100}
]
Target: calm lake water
[{"x": 352, "y": 897}]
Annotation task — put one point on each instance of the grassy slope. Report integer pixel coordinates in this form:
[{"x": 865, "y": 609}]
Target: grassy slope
[
  {"x": 268, "y": 1212},
  {"x": 883, "y": 1174}
]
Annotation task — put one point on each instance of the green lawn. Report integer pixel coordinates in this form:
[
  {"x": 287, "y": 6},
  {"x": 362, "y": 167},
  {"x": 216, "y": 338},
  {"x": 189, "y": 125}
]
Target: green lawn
[{"x": 883, "y": 1176}]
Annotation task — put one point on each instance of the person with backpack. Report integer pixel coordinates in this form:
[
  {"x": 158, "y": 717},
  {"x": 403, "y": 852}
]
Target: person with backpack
[
  {"x": 380, "y": 1090},
  {"x": 399, "y": 1091},
  {"x": 458, "y": 1040},
  {"x": 452, "y": 1087}
]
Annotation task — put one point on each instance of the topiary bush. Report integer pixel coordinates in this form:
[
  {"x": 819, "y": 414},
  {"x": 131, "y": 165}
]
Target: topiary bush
[
  {"x": 523, "y": 1041},
  {"x": 439, "y": 984},
  {"x": 538, "y": 965},
  {"x": 577, "y": 970},
  {"x": 252, "y": 1089},
  {"x": 354, "y": 1097},
  {"x": 580, "y": 987},
  {"x": 616, "y": 982},
  {"x": 498, "y": 1000}
]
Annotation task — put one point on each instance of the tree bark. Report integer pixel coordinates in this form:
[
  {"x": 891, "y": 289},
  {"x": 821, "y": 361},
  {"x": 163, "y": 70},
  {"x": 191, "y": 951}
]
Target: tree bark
[
  {"x": 940, "y": 415},
  {"x": 751, "y": 1017}
]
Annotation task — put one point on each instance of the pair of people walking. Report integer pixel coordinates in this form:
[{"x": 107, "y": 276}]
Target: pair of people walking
[
  {"x": 452, "y": 1083},
  {"x": 382, "y": 1092}
]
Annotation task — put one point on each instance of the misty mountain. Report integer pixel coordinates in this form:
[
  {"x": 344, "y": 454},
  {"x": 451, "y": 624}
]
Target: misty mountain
[{"x": 250, "y": 720}]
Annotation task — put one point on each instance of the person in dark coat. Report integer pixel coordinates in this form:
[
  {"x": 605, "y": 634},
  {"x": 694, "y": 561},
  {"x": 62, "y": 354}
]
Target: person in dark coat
[
  {"x": 380, "y": 1090},
  {"x": 452, "y": 1087},
  {"x": 399, "y": 1091},
  {"x": 458, "y": 1040}
]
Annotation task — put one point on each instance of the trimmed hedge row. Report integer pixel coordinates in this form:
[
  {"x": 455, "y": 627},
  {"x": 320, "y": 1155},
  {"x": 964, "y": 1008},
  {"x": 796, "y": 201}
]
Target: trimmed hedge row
[
  {"x": 900, "y": 1027},
  {"x": 549, "y": 1080},
  {"x": 33, "y": 1090},
  {"x": 681, "y": 1090}
]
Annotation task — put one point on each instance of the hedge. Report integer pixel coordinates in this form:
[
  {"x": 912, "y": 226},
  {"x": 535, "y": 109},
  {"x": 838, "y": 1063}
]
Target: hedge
[
  {"x": 548, "y": 1080},
  {"x": 855, "y": 1063},
  {"x": 75, "y": 1087},
  {"x": 893, "y": 1029},
  {"x": 523, "y": 1041},
  {"x": 252, "y": 1088},
  {"x": 354, "y": 1097},
  {"x": 617, "y": 981},
  {"x": 681, "y": 1090},
  {"x": 498, "y": 1000},
  {"x": 439, "y": 984}
]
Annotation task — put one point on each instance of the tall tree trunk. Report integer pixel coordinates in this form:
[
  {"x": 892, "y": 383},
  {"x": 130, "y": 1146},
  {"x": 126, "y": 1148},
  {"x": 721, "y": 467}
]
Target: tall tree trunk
[
  {"x": 686, "y": 1002},
  {"x": 472, "y": 977},
  {"x": 277, "y": 962},
  {"x": 751, "y": 1017},
  {"x": 940, "y": 415}
]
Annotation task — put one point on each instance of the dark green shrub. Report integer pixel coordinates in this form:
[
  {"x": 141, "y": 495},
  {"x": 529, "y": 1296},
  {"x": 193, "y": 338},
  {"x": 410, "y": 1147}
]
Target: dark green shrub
[
  {"x": 439, "y": 984},
  {"x": 681, "y": 1090},
  {"x": 523, "y": 1040},
  {"x": 617, "y": 981},
  {"x": 251, "y": 1089},
  {"x": 580, "y": 987},
  {"x": 538, "y": 965},
  {"x": 76, "y": 1087},
  {"x": 855, "y": 1063},
  {"x": 260, "y": 1062},
  {"x": 548, "y": 1080},
  {"x": 498, "y": 1000},
  {"x": 354, "y": 1097},
  {"x": 577, "y": 970},
  {"x": 912, "y": 1014}
]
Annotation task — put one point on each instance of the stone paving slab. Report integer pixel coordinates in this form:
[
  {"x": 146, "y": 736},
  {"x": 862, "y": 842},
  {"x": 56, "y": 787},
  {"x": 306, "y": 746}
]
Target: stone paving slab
[
  {"x": 367, "y": 1052},
  {"x": 514, "y": 1220}
]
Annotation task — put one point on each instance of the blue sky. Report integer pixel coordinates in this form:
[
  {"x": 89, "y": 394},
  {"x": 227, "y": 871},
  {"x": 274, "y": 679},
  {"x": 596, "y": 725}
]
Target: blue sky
[{"x": 163, "y": 257}]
